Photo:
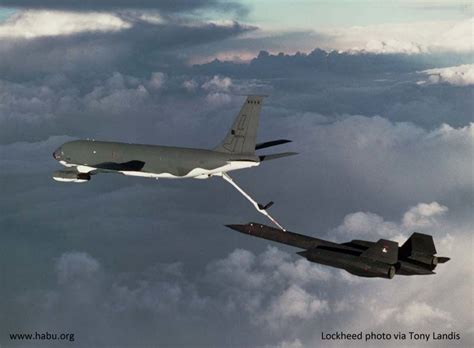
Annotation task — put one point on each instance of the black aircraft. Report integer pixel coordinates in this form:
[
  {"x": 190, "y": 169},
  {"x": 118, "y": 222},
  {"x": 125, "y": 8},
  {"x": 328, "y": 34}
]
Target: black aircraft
[{"x": 382, "y": 259}]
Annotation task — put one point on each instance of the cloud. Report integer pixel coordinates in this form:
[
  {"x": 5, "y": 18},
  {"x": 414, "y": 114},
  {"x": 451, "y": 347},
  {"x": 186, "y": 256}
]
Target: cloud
[
  {"x": 254, "y": 289},
  {"x": 76, "y": 265},
  {"x": 33, "y": 24},
  {"x": 270, "y": 287},
  {"x": 103, "y": 42},
  {"x": 217, "y": 83},
  {"x": 164, "y": 6},
  {"x": 405, "y": 38},
  {"x": 421, "y": 313},
  {"x": 157, "y": 80},
  {"x": 414, "y": 313},
  {"x": 238, "y": 269},
  {"x": 79, "y": 277},
  {"x": 391, "y": 47},
  {"x": 376, "y": 157},
  {"x": 294, "y": 304},
  {"x": 190, "y": 85},
  {"x": 218, "y": 88},
  {"x": 245, "y": 269},
  {"x": 455, "y": 38},
  {"x": 361, "y": 223},
  {"x": 462, "y": 75},
  {"x": 423, "y": 215},
  {"x": 218, "y": 99},
  {"x": 290, "y": 344}
]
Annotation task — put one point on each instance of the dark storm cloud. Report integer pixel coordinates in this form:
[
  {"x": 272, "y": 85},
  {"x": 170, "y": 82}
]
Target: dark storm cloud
[
  {"x": 66, "y": 80},
  {"x": 319, "y": 61},
  {"x": 333, "y": 83},
  {"x": 167, "y": 6},
  {"x": 142, "y": 47},
  {"x": 69, "y": 95}
]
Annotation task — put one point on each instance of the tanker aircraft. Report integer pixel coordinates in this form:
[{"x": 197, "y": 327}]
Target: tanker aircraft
[{"x": 85, "y": 158}]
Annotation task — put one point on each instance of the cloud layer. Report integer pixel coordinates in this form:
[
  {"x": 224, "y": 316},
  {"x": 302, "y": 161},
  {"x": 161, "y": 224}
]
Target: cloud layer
[
  {"x": 462, "y": 75},
  {"x": 267, "y": 292},
  {"x": 32, "y": 24}
]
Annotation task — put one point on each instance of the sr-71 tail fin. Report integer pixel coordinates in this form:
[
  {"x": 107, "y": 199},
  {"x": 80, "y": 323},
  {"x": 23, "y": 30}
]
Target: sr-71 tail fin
[{"x": 420, "y": 247}]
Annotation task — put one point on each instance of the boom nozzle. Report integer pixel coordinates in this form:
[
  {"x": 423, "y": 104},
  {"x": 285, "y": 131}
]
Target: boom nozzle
[{"x": 266, "y": 206}]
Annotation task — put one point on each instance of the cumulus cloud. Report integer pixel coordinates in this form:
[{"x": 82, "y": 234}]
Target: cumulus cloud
[
  {"x": 455, "y": 37},
  {"x": 257, "y": 289},
  {"x": 157, "y": 80},
  {"x": 270, "y": 287},
  {"x": 290, "y": 344},
  {"x": 421, "y": 313},
  {"x": 391, "y": 46},
  {"x": 80, "y": 277},
  {"x": 76, "y": 265},
  {"x": 218, "y": 83},
  {"x": 218, "y": 89},
  {"x": 238, "y": 268},
  {"x": 245, "y": 269},
  {"x": 32, "y": 24},
  {"x": 377, "y": 157},
  {"x": 423, "y": 215},
  {"x": 190, "y": 85},
  {"x": 462, "y": 75},
  {"x": 413, "y": 313},
  {"x": 295, "y": 303},
  {"x": 361, "y": 223},
  {"x": 218, "y": 99},
  {"x": 405, "y": 38}
]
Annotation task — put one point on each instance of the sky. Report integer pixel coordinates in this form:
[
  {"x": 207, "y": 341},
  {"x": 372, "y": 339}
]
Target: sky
[
  {"x": 314, "y": 15},
  {"x": 377, "y": 98}
]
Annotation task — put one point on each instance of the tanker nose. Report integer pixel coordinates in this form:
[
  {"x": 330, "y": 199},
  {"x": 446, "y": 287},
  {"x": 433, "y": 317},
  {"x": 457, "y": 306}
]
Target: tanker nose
[{"x": 57, "y": 154}]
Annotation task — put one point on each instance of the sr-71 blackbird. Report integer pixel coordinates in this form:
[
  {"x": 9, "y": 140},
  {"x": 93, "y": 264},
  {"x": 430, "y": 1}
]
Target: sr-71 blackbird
[
  {"x": 85, "y": 158},
  {"x": 382, "y": 259}
]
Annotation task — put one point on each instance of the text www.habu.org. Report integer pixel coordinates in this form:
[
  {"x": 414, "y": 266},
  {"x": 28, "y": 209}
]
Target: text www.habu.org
[{"x": 47, "y": 336}]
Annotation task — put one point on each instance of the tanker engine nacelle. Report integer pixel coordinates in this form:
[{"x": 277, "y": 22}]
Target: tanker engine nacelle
[{"x": 67, "y": 176}]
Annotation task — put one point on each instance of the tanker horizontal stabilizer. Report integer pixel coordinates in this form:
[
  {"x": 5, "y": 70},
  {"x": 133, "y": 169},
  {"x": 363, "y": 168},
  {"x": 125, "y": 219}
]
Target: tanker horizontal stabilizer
[
  {"x": 276, "y": 155},
  {"x": 271, "y": 143}
]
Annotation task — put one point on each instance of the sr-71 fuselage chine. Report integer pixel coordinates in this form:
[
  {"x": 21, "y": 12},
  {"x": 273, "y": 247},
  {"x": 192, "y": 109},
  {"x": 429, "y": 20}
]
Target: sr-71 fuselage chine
[
  {"x": 381, "y": 259},
  {"x": 85, "y": 158}
]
